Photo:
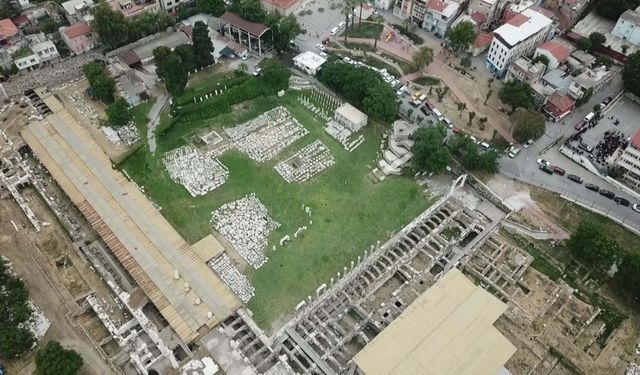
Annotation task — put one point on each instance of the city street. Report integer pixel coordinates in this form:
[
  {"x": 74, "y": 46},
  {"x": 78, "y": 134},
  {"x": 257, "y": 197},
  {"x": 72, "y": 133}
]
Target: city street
[{"x": 524, "y": 167}]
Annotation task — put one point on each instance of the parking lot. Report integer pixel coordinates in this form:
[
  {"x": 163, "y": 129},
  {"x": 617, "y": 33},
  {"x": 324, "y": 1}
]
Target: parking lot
[{"x": 317, "y": 23}]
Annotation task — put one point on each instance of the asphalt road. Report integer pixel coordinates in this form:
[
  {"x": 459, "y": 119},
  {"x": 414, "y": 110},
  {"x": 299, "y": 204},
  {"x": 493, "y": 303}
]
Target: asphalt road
[{"x": 524, "y": 167}]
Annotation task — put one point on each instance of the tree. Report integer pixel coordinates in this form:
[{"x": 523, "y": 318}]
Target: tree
[
  {"x": 377, "y": 104},
  {"x": 604, "y": 60},
  {"x": 284, "y": 29},
  {"x": 624, "y": 48},
  {"x": 275, "y": 75},
  {"x": 584, "y": 44},
  {"x": 628, "y": 276},
  {"x": 149, "y": 23},
  {"x": 250, "y": 10},
  {"x": 243, "y": 68},
  {"x": 471, "y": 158},
  {"x": 441, "y": 92},
  {"x": 53, "y": 359},
  {"x": 375, "y": 41},
  {"x": 347, "y": 12},
  {"x": 429, "y": 153},
  {"x": 516, "y": 94},
  {"x": 15, "y": 312},
  {"x": 202, "y": 45},
  {"x": 540, "y": 58},
  {"x": 466, "y": 62},
  {"x": 472, "y": 115},
  {"x": 159, "y": 56},
  {"x": 597, "y": 40},
  {"x": 214, "y": 7},
  {"x": 102, "y": 85},
  {"x": 593, "y": 246},
  {"x": 527, "y": 124},
  {"x": 613, "y": 9},
  {"x": 631, "y": 74},
  {"x": 118, "y": 113},
  {"x": 111, "y": 26},
  {"x": 174, "y": 75},
  {"x": 423, "y": 57},
  {"x": 461, "y": 106},
  {"x": 489, "y": 93},
  {"x": 461, "y": 36},
  {"x": 185, "y": 51},
  {"x": 8, "y": 10}
]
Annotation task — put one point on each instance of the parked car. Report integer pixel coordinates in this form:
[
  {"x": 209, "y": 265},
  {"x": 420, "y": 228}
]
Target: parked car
[
  {"x": 621, "y": 201},
  {"x": 257, "y": 71},
  {"x": 558, "y": 170},
  {"x": 575, "y": 178},
  {"x": 543, "y": 162},
  {"x": 341, "y": 24},
  {"x": 528, "y": 143},
  {"x": 636, "y": 207},
  {"x": 324, "y": 54},
  {"x": 448, "y": 122},
  {"x": 424, "y": 110},
  {"x": 607, "y": 194},
  {"x": 513, "y": 152},
  {"x": 320, "y": 47},
  {"x": 592, "y": 187},
  {"x": 546, "y": 169},
  {"x": 580, "y": 125},
  {"x": 607, "y": 100}
]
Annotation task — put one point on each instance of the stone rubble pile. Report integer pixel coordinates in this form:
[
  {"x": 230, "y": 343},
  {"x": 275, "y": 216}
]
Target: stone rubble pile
[
  {"x": 343, "y": 135},
  {"x": 247, "y": 225},
  {"x": 267, "y": 135},
  {"x": 229, "y": 273},
  {"x": 199, "y": 174},
  {"x": 306, "y": 163},
  {"x": 299, "y": 83},
  {"x": 129, "y": 134},
  {"x": 78, "y": 101}
]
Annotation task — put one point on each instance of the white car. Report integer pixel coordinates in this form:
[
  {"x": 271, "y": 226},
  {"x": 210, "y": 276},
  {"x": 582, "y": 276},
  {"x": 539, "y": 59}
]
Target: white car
[
  {"x": 348, "y": 60},
  {"x": 543, "y": 162},
  {"x": 320, "y": 47},
  {"x": 342, "y": 24},
  {"x": 528, "y": 143},
  {"x": 324, "y": 54},
  {"x": 257, "y": 72},
  {"x": 636, "y": 207}
]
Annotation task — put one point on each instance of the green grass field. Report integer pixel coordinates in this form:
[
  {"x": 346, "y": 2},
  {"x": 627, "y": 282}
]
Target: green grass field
[{"x": 349, "y": 212}]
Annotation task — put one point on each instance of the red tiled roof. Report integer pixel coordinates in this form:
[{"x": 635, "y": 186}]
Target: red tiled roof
[
  {"x": 77, "y": 29},
  {"x": 518, "y": 20},
  {"x": 483, "y": 39},
  {"x": 21, "y": 20},
  {"x": 129, "y": 57},
  {"x": 560, "y": 104},
  {"x": 560, "y": 52},
  {"x": 479, "y": 18},
  {"x": 636, "y": 139},
  {"x": 282, "y": 4},
  {"x": 253, "y": 28},
  {"x": 7, "y": 29},
  {"x": 437, "y": 5}
]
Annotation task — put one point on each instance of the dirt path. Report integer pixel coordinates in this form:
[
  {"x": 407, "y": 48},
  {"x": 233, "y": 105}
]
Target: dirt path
[{"x": 46, "y": 290}]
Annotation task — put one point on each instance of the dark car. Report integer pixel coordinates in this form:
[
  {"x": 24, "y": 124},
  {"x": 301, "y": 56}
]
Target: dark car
[
  {"x": 575, "y": 178},
  {"x": 558, "y": 171},
  {"x": 546, "y": 169},
  {"x": 621, "y": 201},
  {"x": 592, "y": 187},
  {"x": 607, "y": 194},
  {"x": 424, "y": 110},
  {"x": 607, "y": 100}
]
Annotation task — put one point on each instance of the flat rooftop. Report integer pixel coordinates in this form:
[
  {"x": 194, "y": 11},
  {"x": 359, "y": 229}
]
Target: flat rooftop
[
  {"x": 191, "y": 297},
  {"x": 522, "y": 26},
  {"x": 447, "y": 330}
]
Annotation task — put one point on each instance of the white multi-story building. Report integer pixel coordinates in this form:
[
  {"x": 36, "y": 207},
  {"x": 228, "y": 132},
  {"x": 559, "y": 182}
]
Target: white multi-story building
[
  {"x": 518, "y": 37},
  {"x": 170, "y": 4},
  {"x": 439, "y": 15},
  {"x": 630, "y": 162},
  {"x": 628, "y": 26},
  {"x": 43, "y": 51}
]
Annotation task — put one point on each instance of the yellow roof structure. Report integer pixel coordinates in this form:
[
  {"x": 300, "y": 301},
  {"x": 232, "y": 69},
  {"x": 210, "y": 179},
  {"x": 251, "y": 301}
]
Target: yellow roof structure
[
  {"x": 208, "y": 248},
  {"x": 447, "y": 330},
  {"x": 186, "y": 291}
]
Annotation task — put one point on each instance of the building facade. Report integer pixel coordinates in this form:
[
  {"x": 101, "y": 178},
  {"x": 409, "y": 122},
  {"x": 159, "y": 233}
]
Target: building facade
[
  {"x": 439, "y": 16},
  {"x": 43, "y": 51},
  {"x": 518, "y": 37},
  {"x": 628, "y": 26},
  {"x": 629, "y": 161}
]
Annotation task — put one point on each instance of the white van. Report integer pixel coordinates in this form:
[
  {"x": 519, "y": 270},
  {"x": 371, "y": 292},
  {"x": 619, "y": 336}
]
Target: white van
[
  {"x": 588, "y": 117},
  {"x": 485, "y": 145},
  {"x": 513, "y": 152},
  {"x": 334, "y": 31},
  {"x": 438, "y": 114}
]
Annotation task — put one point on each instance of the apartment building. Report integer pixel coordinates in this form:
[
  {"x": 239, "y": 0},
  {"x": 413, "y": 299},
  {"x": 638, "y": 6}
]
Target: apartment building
[
  {"x": 630, "y": 162},
  {"x": 486, "y": 12},
  {"x": 439, "y": 15},
  {"x": 628, "y": 26},
  {"x": 42, "y": 51},
  {"x": 518, "y": 37}
]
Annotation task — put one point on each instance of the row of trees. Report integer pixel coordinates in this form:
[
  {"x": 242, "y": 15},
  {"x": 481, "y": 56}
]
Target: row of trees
[
  {"x": 172, "y": 66},
  {"x": 594, "y": 41},
  {"x": 362, "y": 87},
  {"x": 102, "y": 85},
  {"x": 470, "y": 156},
  {"x": 429, "y": 152},
  {"x": 15, "y": 312},
  {"x": 114, "y": 30},
  {"x": 612, "y": 9},
  {"x": 631, "y": 74}
]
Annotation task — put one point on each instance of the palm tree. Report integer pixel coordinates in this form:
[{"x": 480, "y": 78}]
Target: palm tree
[
  {"x": 423, "y": 57},
  {"x": 361, "y": 3},
  {"x": 375, "y": 41},
  {"x": 347, "y": 10},
  {"x": 471, "y": 116}
]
